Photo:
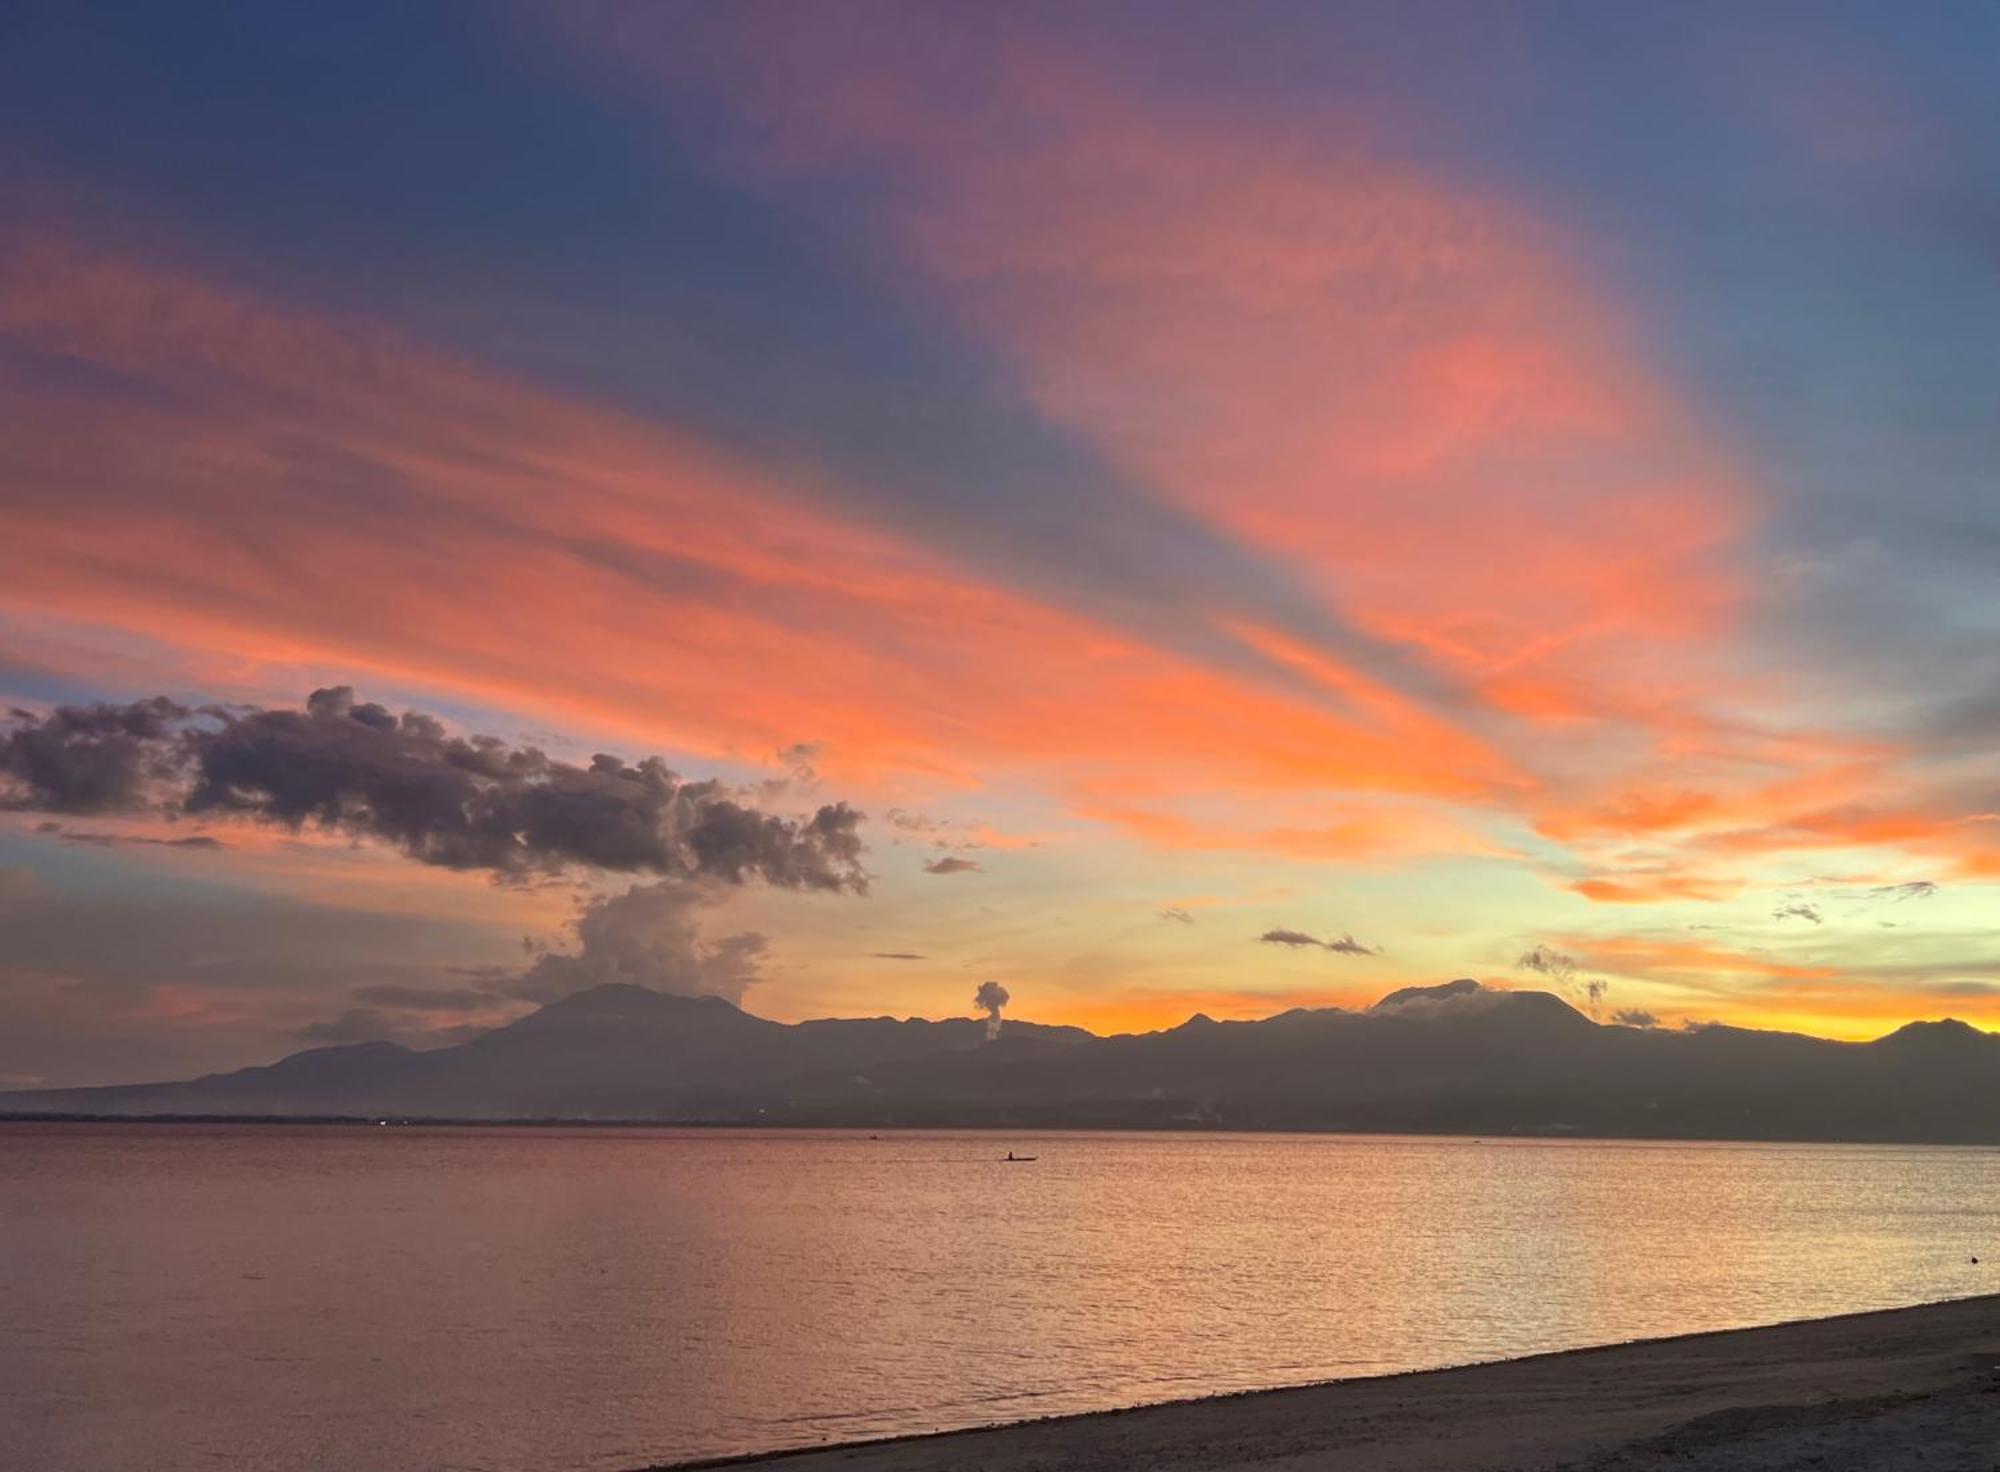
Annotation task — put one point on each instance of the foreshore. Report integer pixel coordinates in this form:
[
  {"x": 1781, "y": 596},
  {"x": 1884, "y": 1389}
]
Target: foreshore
[{"x": 1899, "y": 1389}]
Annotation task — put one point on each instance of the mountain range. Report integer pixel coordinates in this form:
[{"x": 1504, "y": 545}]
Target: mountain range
[{"x": 1456, "y": 1058}]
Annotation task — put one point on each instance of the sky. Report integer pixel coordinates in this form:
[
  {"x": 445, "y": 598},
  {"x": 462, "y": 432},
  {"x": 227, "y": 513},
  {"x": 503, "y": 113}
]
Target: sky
[{"x": 1226, "y": 507}]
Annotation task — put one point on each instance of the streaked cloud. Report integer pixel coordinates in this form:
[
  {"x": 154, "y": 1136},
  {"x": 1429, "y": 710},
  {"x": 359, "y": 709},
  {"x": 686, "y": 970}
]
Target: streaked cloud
[
  {"x": 1344, "y": 945},
  {"x": 1363, "y": 494}
]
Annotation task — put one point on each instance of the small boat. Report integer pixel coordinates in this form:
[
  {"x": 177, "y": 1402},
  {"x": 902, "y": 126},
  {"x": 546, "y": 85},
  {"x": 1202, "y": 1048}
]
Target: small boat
[{"x": 1014, "y": 1159}]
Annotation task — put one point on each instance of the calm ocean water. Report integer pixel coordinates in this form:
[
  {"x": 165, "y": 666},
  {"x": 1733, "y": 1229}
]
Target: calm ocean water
[{"x": 193, "y": 1297}]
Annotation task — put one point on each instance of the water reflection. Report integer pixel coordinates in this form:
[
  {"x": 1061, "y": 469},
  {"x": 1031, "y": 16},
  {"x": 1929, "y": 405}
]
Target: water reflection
[{"x": 293, "y": 1298}]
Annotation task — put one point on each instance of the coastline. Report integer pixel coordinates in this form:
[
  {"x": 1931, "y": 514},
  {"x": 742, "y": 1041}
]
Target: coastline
[{"x": 1889, "y": 1388}]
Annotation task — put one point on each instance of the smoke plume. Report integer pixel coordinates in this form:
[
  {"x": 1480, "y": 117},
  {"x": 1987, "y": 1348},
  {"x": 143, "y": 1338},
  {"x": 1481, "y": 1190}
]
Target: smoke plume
[
  {"x": 990, "y": 998},
  {"x": 1560, "y": 968}
]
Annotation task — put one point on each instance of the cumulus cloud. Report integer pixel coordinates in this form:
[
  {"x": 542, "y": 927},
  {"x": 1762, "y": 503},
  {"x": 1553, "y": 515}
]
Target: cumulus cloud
[
  {"x": 648, "y": 936},
  {"x": 952, "y": 864},
  {"x": 1634, "y": 1017},
  {"x": 1345, "y": 945},
  {"x": 89, "y": 759},
  {"x": 458, "y": 802}
]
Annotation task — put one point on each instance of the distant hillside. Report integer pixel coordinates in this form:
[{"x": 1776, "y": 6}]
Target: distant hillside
[{"x": 1459, "y": 1058}]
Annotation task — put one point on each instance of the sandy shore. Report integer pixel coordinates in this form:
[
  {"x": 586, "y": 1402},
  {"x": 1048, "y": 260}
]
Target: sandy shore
[{"x": 1907, "y": 1389}]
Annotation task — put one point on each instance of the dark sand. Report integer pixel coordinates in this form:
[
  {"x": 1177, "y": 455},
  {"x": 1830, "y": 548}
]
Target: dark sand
[{"x": 1908, "y": 1389}]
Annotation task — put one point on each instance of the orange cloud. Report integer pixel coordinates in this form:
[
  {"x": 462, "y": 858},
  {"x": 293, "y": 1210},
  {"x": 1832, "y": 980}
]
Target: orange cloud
[
  {"x": 337, "y": 498},
  {"x": 1415, "y": 395},
  {"x": 1679, "y": 960},
  {"x": 1357, "y": 834},
  {"x": 1411, "y": 390},
  {"x": 1645, "y": 889}
]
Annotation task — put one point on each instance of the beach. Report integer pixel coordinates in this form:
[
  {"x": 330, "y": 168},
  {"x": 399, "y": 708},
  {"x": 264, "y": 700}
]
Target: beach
[{"x": 1904, "y": 1388}]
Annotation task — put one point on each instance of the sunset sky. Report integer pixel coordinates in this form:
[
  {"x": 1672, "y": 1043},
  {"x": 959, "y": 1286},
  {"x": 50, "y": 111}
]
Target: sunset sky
[{"x": 1257, "y": 505}]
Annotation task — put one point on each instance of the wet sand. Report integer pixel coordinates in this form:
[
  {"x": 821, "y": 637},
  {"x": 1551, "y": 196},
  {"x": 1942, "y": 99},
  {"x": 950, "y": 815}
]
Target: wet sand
[{"x": 1905, "y": 1389}]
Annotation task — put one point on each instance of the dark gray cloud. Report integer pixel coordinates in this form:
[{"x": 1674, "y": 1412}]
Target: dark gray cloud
[
  {"x": 1557, "y": 966},
  {"x": 1797, "y": 910},
  {"x": 1635, "y": 1017},
  {"x": 1915, "y": 889},
  {"x": 1345, "y": 945},
  {"x": 457, "y": 802},
  {"x": 897, "y": 955},
  {"x": 1288, "y": 938},
  {"x": 648, "y": 936},
  {"x": 89, "y": 759},
  {"x": 1178, "y": 913},
  {"x": 198, "y": 841},
  {"x": 951, "y": 864},
  {"x": 1560, "y": 968}
]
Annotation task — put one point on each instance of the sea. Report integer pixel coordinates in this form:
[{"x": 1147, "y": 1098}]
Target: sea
[{"x": 180, "y": 1297}]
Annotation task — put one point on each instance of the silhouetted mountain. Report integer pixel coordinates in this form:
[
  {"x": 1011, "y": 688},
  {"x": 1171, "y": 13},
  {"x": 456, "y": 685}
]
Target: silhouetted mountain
[{"x": 1459, "y": 1058}]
